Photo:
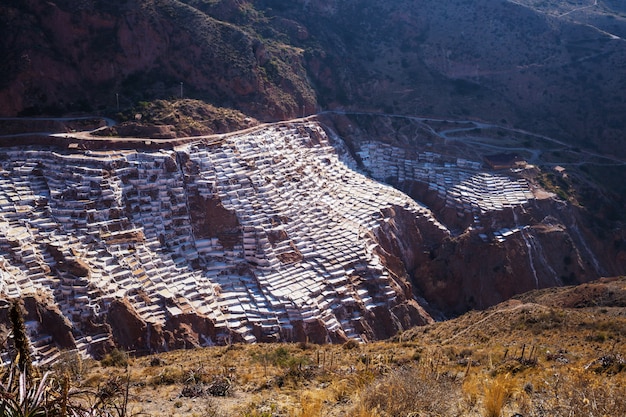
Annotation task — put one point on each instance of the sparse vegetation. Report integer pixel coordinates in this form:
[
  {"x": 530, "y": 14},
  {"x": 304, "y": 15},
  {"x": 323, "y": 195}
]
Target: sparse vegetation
[
  {"x": 117, "y": 358},
  {"x": 182, "y": 117},
  {"x": 555, "y": 184},
  {"x": 525, "y": 358},
  {"x": 497, "y": 393},
  {"x": 534, "y": 355}
]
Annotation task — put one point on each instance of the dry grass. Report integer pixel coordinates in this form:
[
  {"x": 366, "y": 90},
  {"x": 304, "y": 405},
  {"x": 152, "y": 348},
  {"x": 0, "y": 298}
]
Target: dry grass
[
  {"x": 413, "y": 391},
  {"x": 186, "y": 117},
  {"x": 529, "y": 359},
  {"x": 497, "y": 393}
]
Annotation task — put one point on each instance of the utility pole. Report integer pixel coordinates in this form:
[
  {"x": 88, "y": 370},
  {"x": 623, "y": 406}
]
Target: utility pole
[
  {"x": 181, "y": 89},
  {"x": 117, "y": 100}
]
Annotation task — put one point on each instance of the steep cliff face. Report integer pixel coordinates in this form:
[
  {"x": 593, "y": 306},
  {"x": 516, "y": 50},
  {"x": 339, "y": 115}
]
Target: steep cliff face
[
  {"x": 466, "y": 272},
  {"x": 533, "y": 249},
  {"x": 132, "y": 332},
  {"x": 47, "y": 327}
]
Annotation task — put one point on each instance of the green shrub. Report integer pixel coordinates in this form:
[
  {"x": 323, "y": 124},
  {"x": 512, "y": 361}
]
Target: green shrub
[{"x": 117, "y": 358}]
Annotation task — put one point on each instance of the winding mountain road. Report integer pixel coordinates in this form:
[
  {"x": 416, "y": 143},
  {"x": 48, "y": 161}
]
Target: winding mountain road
[{"x": 444, "y": 134}]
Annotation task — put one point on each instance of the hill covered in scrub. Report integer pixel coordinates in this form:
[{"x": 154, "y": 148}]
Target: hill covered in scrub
[
  {"x": 550, "y": 67},
  {"x": 542, "y": 353}
]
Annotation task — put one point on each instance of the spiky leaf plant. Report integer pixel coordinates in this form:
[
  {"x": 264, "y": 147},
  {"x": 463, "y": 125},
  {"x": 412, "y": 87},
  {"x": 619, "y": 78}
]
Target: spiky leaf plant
[{"x": 20, "y": 396}]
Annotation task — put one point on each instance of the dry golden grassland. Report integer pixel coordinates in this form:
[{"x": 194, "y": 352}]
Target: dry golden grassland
[{"x": 516, "y": 358}]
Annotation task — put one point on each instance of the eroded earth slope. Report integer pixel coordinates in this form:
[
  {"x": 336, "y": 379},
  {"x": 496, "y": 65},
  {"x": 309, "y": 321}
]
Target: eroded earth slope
[{"x": 273, "y": 234}]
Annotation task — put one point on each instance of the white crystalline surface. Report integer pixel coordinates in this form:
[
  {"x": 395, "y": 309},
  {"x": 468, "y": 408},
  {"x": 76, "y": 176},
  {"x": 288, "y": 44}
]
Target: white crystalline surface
[
  {"x": 461, "y": 183},
  {"x": 126, "y": 215}
]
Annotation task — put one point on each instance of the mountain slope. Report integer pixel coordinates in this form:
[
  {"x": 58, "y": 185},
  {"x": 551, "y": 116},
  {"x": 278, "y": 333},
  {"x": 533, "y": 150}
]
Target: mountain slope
[
  {"x": 545, "y": 358},
  {"x": 270, "y": 234},
  {"x": 522, "y": 63},
  {"x": 348, "y": 224},
  {"x": 71, "y": 55}
]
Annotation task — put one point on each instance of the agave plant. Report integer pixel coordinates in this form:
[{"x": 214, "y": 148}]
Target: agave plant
[
  {"x": 20, "y": 396},
  {"x": 23, "y": 396}
]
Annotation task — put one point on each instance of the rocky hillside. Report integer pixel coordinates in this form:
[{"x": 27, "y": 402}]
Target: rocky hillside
[
  {"x": 273, "y": 234},
  {"x": 83, "y": 55},
  {"x": 551, "y": 67},
  {"x": 344, "y": 225},
  {"x": 543, "y": 353}
]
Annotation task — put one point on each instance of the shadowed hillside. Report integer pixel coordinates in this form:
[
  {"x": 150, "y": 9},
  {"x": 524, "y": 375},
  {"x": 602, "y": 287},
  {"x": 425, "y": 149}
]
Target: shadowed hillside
[{"x": 552, "y": 67}]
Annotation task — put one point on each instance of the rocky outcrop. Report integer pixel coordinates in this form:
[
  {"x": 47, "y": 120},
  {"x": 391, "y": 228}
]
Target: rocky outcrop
[
  {"x": 211, "y": 220},
  {"x": 466, "y": 271},
  {"x": 133, "y": 333},
  {"x": 50, "y": 319},
  {"x": 181, "y": 118},
  {"x": 130, "y": 331},
  {"x": 136, "y": 130},
  {"x": 44, "y": 323}
]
